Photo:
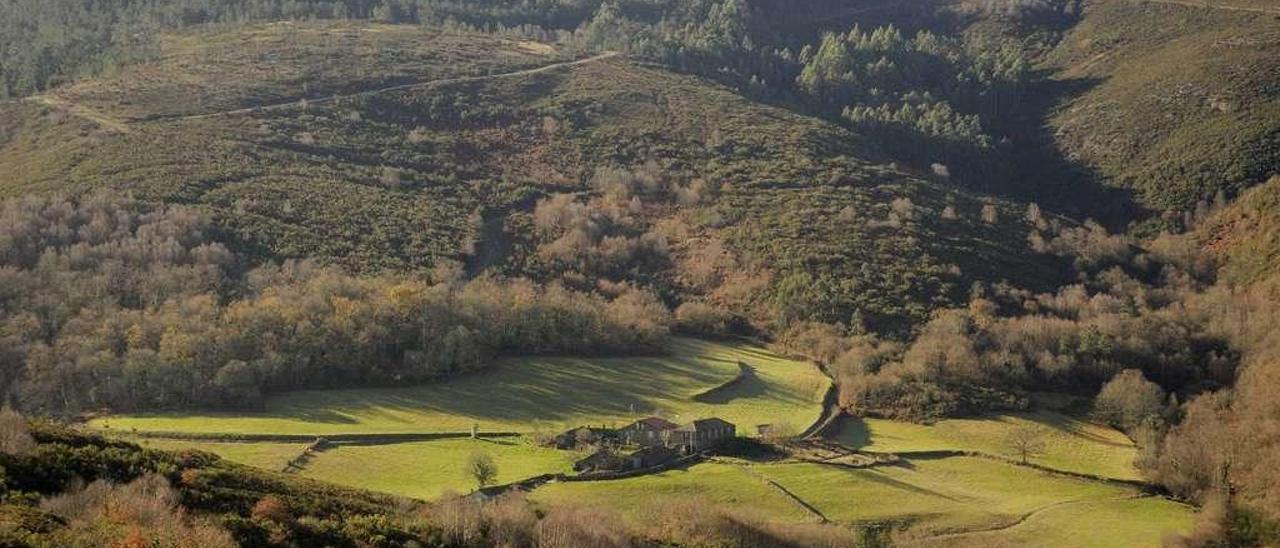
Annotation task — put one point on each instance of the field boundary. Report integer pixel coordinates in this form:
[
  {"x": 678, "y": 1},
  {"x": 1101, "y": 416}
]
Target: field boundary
[
  {"x": 822, "y": 518},
  {"x": 950, "y": 453},
  {"x": 345, "y": 439},
  {"x": 299, "y": 463}
]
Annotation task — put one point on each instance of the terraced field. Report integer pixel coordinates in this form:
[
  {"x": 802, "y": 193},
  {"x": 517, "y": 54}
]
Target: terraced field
[
  {"x": 538, "y": 394},
  {"x": 1070, "y": 444}
]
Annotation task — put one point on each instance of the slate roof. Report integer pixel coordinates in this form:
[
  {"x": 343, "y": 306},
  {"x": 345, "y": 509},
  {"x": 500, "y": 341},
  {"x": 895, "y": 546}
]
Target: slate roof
[
  {"x": 655, "y": 423},
  {"x": 706, "y": 424}
]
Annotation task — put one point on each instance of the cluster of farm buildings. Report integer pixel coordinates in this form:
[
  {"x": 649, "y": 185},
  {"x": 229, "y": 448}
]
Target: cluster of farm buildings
[{"x": 646, "y": 443}]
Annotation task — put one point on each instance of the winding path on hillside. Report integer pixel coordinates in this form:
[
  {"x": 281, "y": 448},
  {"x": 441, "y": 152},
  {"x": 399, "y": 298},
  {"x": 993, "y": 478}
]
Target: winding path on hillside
[
  {"x": 114, "y": 124},
  {"x": 1024, "y": 517},
  {"x": 401, "y": 87},
  {"x": 106, "y": 122}
]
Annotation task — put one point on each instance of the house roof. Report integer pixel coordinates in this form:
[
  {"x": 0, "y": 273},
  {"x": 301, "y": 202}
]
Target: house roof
[
  {"x": 706, "y": 424},
  {"x": 655, "y": 423}
]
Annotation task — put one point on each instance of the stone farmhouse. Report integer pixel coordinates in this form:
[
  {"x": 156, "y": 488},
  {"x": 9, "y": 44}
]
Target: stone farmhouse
[
  {"x": 648, "y": 432},
  {"x": 702, "y": 434},
  {"x": 659, "y": 442}
]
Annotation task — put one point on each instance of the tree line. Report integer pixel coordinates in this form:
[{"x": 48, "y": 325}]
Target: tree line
[{"x": 109, "y": 303}]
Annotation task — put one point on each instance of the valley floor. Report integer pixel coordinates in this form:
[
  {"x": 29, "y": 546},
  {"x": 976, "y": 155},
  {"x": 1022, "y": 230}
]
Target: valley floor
[{"x": 954, "y": 483}]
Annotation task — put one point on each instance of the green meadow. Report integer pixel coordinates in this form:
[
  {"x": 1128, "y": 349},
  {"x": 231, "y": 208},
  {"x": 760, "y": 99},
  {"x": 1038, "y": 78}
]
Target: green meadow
[
  {"x": 940, "y": 501},
  {"x": 934, "y": 494},
  {"x": 1136, "y": 523},
  {"x": 1070, "y": 444},
  {"x": 929, "y": 500},
  {"x": 426, "y": 470},
  {"x": 727, "y": 486},
  {"x": 538, "y": 394}
]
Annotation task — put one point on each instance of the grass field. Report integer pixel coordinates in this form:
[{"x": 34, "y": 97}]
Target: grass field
[
  {"x": 940, "y": 494},
  {"x": 541, "y": 393},
  {"x": 711, "y": 484},
  {"x": 268, "y": 456},
  {"x": 1134, "y": 523},
  {"x": 426, "y": 470},
  {"x": 1071, "y": 445},
  {"x": 423, "y": 470},
  {"x": 930, "y": 497}
]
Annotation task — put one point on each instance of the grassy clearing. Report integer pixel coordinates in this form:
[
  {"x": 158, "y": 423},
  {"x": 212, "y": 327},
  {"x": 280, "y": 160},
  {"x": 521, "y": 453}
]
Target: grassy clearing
[
  {"x": 541, "y": 393},
  {"x": 711, "y": 484},
  {"x": 268, "y": 456},
  {"x": 1071, "y": 444},
  {"x": 426, "y": 470},
  {"x": 1136, "y": 523},
  {"x": 942, "y": 494}
]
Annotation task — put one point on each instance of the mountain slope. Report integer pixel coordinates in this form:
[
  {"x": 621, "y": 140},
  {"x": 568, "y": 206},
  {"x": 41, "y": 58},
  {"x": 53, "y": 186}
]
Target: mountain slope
[
  {"x": 1180, "y": 99},
  {"x": 413, "y": 177}
]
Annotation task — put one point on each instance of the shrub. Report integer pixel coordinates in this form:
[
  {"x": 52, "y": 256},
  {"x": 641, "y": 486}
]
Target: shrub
[
  {"x": 572, "y": 527},
  {"x": 702, "y": 319},
  {"x": 144, "y": 512},
  {"x": 1129, "y": 400},
  {"x": 272, "y": 509}
]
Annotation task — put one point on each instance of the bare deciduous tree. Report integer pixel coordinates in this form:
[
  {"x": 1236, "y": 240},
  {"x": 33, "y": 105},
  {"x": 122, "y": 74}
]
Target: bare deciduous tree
[
  {"x": 1026, "y": 442},
  {"x": 15, "y": 437}
]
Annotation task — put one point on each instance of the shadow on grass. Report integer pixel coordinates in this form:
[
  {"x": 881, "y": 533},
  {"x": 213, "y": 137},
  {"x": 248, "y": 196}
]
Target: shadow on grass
[
  {"x": 531, "y": 390},
  {"x": 852, "y": 433},
  {"x": 1072, "y": 426},
  {"x": 747, "y": 384}
]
